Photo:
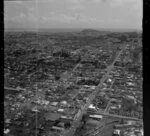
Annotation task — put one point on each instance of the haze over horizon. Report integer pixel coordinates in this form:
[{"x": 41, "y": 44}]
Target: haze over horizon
[{"x": 93, "y": 14}]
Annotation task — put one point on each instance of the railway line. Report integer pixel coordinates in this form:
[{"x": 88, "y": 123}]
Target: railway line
[
  {"x": 99, "y": 128},
  {"x": 118, "y": 116}
]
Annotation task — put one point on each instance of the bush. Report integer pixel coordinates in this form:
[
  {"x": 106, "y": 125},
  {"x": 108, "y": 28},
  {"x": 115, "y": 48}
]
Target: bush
[
  {"x": 57, "y": 77},
  {"x": 61, "y": 89}
]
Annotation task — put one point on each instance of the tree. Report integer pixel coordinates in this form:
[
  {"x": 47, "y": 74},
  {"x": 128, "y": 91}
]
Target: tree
[
  {"x": 62, "y": 53},
  {"x": 57, "y": 77},
  {"x": 84, "y": 118},
  {"x": 61, "y": 89},
  {"x": 122, "y": 121},
  {"x": 128, "y": 105},
  {"x": 67, "y": 125}
]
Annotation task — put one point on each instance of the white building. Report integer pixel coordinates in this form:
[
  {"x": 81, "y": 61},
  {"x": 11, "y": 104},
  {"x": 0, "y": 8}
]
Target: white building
[
  {"x": 60, "y": 110},
  {"x": 96, "y": 116},
  {"x": 91, "y": 106},
  {"x": 54, "y": 103},
  {"x": 117, "y": 131}
]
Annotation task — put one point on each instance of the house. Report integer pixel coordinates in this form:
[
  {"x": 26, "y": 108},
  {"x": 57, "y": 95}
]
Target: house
[
  {"x": 91, "y": 106},
  {"x": 132, "y": 98},
  {"x": 96, "y": 117},
  {"x": 66, "y": 118},
  {"x": 86, "y": 86},
  {"x": 113, "y": 107},
  {"x": 54, "y": 103},
  {"x": 60, "y": 110},
  {"x": 113, "y": 100},
  {"x": 139, "y": 132},
  {"x": 89, "y": 86},
  {"x": 130, "y": 84},
  {"x": 6, "y": 131},
  {"x": 63, "y": 102},
  {"x": 35, "y": 109},
  {"x": 119, "y": 106},
  {"x": 92, "y": 122},
  {"x": 64, "y": 124},
  {"x": 57, "y": 128},
  {"x": 109, "y": 80},
  {"x": 92, "y": 87},
  {"x": 117, "y": 132},
  {"x": 52, "y": 116},
  {"x": 130, "y": 122}
]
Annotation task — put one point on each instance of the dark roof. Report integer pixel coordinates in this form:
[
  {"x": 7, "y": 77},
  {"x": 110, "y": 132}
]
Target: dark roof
[
  {"x": 52, "y": 116},
  {"x": 93, "y": 122}
]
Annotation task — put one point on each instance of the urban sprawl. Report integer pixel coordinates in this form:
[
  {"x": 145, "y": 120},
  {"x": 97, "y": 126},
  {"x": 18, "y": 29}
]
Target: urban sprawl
[{"x": 86, "y": 83}]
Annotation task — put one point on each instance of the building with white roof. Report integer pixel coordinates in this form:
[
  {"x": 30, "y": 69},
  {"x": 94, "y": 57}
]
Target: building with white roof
[
  {"x": 91, "y": 106},
  {"x": 96, "y": 116},
  {"x": 54, "y": 103},
  {"x": 117, "y": 132},
  {"x": 64, "y": 102},
  {"x": 60, "y": 110}
]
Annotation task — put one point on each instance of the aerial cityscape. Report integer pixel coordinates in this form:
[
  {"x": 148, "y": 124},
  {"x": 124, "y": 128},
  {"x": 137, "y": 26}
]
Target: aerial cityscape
[{"x": 72, "y": 82}]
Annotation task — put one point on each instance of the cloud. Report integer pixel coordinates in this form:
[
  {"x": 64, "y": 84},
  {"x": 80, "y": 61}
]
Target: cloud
[
  {"x": 75, "y": 13},
  {"x": 81, "y": 1},
  {"x": 31, "y": 9},
  {"x": 75, "y": 4},
  {"x": 116, "y": 3},
  {"x": 138, "y": 8},
  {"x": 118, "y": 21},
  {"x": 69, "y": 18},
  {"x": 29, "y": 17},
  {"x": 76, "y": 7},
  {"x": 19, "y": 2},
  {"x": 135, "y": 7},
  {"x": 19, "y": 18},
  {"x": 99, "y": 0},
  {"x": 57, "y": 17},
  {"x": 41, "y": 1}
]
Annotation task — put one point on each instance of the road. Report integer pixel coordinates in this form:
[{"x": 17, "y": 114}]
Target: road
[
  {"x": 108, "y": 104},
  {"x": 82, "y": 111},
  {"x": 102, "y": 125},
  {"x": 106, "y": 109},
  {"x": 118, "y": 116},
  {"x": 67, "y": 75}
]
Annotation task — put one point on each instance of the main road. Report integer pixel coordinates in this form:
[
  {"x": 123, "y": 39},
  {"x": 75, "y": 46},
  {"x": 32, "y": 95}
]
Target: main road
[{"x": 83, "y": 110}]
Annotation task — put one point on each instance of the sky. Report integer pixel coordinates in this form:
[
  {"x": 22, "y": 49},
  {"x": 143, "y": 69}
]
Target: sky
[{"x": 114, "y": 14}]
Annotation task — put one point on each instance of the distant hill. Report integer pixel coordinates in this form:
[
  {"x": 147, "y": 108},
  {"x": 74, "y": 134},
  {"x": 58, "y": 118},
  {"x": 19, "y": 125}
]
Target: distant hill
[
  {"x": 110, "y": 30},
  {"x": 59, "y": 30},
  {"x": 86, "y": 31},
  {"x": 92, "y": 32},
  {"x": 47, "y": 30}
]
